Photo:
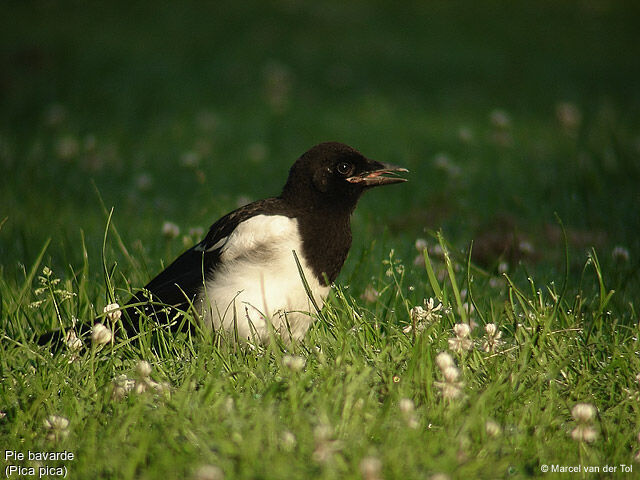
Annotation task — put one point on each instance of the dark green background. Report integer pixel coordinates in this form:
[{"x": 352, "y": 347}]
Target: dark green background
[{"x": 141, "y": 83}]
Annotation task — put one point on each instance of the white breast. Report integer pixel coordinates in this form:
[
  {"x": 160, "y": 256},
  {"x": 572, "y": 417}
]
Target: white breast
[{"x": 258, "y": 282}]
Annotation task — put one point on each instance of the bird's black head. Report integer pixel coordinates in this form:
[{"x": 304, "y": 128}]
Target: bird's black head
[{"x": 333, "y": 175}]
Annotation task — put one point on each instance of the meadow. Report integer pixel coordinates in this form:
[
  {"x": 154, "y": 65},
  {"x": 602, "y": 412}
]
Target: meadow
[{"x": 485, "y": 324}]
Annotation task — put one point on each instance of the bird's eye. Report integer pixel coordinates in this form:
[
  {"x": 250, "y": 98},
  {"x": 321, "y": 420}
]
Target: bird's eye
[{"x": 344, "y": 168}]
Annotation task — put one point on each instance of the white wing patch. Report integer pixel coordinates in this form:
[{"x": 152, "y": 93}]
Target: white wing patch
[
  {"x": 215, "y": 246},
  {"x": 257, "y": 283},
  {"x": 258, "y": 234}
]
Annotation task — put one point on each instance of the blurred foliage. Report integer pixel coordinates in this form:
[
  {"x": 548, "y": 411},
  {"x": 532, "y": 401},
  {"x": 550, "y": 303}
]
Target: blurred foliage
[{"x": 505, "y": 112}]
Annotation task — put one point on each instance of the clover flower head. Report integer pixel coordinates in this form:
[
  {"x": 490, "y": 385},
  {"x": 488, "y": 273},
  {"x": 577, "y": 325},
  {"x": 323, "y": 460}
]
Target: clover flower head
[
  {"x": 371, "y": 468},
  {"x": 100, "y": 334},
  {"x": 170, "y": 230},
  {"x": 444, "y": 360},
  {"x": 583, "y": 412},
  {"x": 423, "y": 315},
  {"x": 294, "y": 363},
  {"x": 112, "y": 312},
  {"x": 406, "y": 405},
  {"x": 72, "y": 341},
  {"x": 143, "y": 368},
  {"x": 492, "y": 339},
  {"x": 56, "y": 427}
]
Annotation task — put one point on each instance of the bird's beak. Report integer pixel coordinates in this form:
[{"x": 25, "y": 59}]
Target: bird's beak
[{"x": 376, "y": 176}]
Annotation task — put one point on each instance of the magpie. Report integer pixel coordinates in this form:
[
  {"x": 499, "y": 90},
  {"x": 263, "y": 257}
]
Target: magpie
[{"x": 268, "y": 265}]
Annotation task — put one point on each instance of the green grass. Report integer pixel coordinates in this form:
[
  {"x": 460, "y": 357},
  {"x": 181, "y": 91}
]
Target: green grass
[{"x": 177, "y": 113}]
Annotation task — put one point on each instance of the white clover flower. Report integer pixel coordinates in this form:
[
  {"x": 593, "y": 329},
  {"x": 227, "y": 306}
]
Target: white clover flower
[
  {"x": 322, "y": 432},
  {"x": 492, "y": 428},
  {"x": 443, "y": 162},
  {"x": 465, "y": 134},
  {"x": 412, "y": 422},
  {"x": 56, "y": 422},
  {"x": 100, "y": 334},
  {"x": 492, "y": 339},
  {"x": 228, "y": 405},
  {"x": 208, "y": 472},
  {"x": 56, "y": 427},
  {"x": 450, "y": 391},
  {"x": 190, "y": 159},
  {"x": 121, "y": 386},
  {"x": 584, "y": 433},
  {"x": 143, "y": 369},
  {"x": 288, "y": 440},
  {"x": 431, "y": 307},
  {"x": 470, "y": 309},
  {"x": 170, "y": 230},
  {"x": 72, "y": 341},
  {"x": 462, "y": 330},
  {"x": 569, "y": 115},
  {"x": 444, "y": 360},
  {"x": 326, "y": 446},
  {"x": 500, "y": 119},
  {"x": 243, "y": 200},
  {"x": 419, "y": 260},
  {"x": 144, "y": 182},
  {"x": 461, "y": 342},
  {"x": 113, "y": 312},
  {"x": 451, "y": 374},
  {"x": 437, "y": 250},
  {"x": 144, "y": 382},
  {"x": 323, "y": 452},
  {"x": 417, "y": 313},
  {"x": 583, "y": 412},
  {"x": 421, "y": 244},
  {"x": 422, "y": 316},
  {"x": 406, "y": 405},
  {"x": 526, "y": 247},
  {"x": 451, "y": 388},
  {"x": 294, "y": 362},
  {"x": 370, "y": 294},
  {"x": 407, "y": 408},
  {"x": 371, "y": 468},
  {"x": 141, "y": 386},
  {"x": 620, "y": 254},
  {"x": 196, "y": 232}
]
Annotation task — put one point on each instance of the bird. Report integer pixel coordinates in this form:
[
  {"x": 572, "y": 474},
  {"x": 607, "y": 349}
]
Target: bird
[{"x": 267, "y": 267}]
